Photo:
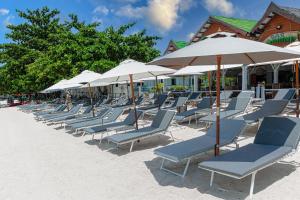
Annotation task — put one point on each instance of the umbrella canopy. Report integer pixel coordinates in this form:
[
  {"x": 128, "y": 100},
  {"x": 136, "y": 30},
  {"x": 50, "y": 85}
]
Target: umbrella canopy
[
  {"x": 84, "y": 77},
  {"x": 223, "y": 50},
  {"x": 153, "y": 78},
  {"x": 139, "y": 71},
  {"x": 56, "y": 87},
  {"x": 233, "y": 51},
  {"x": 194, "y": 70}
]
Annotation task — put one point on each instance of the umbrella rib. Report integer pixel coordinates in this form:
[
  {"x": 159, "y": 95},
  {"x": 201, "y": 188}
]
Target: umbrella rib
[
  {"x": 152, "y": 74},
  {"x": 190, "y": 63},
  {"x": 253, "y": 62}
]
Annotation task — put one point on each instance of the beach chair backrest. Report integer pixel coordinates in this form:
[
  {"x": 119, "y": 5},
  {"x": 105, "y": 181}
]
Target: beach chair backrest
[
  {"x": 162, "y": 119},
  {"x": 102, "y": 112},
  {"x": 60, "y": 108},
  {"x": 87, "y": 109},
  {"x": 206, "y": 102},
  {"x": 130, "y": 119},
  {"x": 161, "y": 99},
  {"x": 287, "y": 94},
  {"x": 229, "y": 128},
  {"x": 246, "y": 94},
  {"x": 238, "y": 104},
  {"x": 194, "y": 95},
  {"x": 76, "y": 108},
  {"x": 225, "y": 94},
  {"x": 139, "y": 100},
  {"x": 274, "y": 106},
  {"x": 114, "y": 114},
  {"x": 279, "y": 131},
  {"x": 180, "y": 101}
]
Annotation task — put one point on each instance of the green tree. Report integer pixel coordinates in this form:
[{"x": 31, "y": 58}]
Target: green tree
[{"x": 44, "y": 50}]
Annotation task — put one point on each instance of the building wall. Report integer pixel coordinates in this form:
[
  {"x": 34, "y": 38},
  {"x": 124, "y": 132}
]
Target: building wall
[{"x": 286, "y": 26}]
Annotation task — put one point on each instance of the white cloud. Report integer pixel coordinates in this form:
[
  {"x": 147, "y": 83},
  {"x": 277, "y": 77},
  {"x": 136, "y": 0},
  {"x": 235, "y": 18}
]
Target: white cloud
[
  {"x": 162, "y": 14},
  {"x": 97, "y": 19},
  {"x": 131, "y": 12},
  {"x": 190, "y": 36},
  {"x": 186, "y": 5},
  {"x": 4, "y": 11},
  {"x": 101, "y": 10},
  {"x": 224, "y": 7}
]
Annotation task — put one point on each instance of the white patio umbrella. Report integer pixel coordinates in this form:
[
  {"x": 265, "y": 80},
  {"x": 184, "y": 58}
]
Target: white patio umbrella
[
  {"x": 130, "y": 70},
  {"x": 223, "y": 50},
  {"x": 84, "y": 77},
  {"x": 153, "y": 78},
  {"x": 55, "y": 87}
]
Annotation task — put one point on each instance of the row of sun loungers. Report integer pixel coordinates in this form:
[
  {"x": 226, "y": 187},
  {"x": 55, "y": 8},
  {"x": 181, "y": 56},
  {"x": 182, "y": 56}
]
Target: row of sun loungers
[{"x": 275, "y": 138}]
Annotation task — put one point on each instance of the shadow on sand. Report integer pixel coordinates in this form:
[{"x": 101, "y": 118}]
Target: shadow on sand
[
  {"x": 149, "y": 143},
  {"x": 224, "y": 187}
]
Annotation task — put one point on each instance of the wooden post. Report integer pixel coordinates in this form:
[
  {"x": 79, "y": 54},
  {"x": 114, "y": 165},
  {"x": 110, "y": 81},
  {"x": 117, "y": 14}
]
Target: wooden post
[
  {"x": 217, "y": 146},
  {"x": 133, "y": 101},
  {"x": 297, "y": 88},
  {"x": 90, "y": 93}
]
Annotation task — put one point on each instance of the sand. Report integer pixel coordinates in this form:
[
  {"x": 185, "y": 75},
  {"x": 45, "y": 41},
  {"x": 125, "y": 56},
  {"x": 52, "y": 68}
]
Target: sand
[{"x": 44, "y": 162}]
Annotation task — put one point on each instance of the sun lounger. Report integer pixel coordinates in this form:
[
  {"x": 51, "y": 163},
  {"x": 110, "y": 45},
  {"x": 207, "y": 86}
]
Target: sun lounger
[
  {"x": 108, "y": 118},
  {"x": 276, "y": 138},
  {"x": 72, "y": 111},
  {"x": 204, "y": 106},
  {"x": 246, "y": 94},
  {"x": 236, "y": 106},
  {"x": 225, "y": 95},
  {"x": 194, "y": 96},
  {"x": 157, "y": 103},
  {"x": 127, "y": 122},
  {"x": 159, "y": 125},
  {"x": 58, "y": 108},
  {"x": 187, "y": 150},
  {"x": 286, "y": 94},
  {"x": 86, "y": 112},
  {"x": 270, "y": 107},
  {"x": 179, "y": 101},
  {"x": 100, "y": 114}
]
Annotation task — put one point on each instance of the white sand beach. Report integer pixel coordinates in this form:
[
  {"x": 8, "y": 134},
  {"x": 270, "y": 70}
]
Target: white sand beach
[{"x": 42, "y": 162}]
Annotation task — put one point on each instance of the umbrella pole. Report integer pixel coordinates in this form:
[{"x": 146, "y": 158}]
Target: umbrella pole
[
  {"x": 297, "y": 88},
  {"x": 217, "y": 149},
  {"x": 90, "y": 93},
  {"x": 133, "y": 101},
  {"x": 127, "y": 89}
]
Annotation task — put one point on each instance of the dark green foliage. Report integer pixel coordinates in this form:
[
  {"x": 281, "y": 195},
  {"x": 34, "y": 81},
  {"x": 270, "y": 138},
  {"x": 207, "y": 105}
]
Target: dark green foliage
[{"x": 44, "y": 50}]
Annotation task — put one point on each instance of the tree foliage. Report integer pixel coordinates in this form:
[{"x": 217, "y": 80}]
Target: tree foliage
[{"x": 44, "y": 50}]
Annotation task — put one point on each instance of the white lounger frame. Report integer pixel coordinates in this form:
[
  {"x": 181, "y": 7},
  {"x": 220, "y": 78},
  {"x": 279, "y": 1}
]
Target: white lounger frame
[
  {"x": 140, "y": 138},
  {"x": 240, "y": 177},
  {"x": 188, "y": 160}
]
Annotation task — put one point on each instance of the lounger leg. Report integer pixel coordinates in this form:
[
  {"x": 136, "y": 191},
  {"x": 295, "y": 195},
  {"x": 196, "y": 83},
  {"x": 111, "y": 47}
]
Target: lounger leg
[
  {"x": 211, "y": 179},
  {"x": 162, "y": 164},
  {"x": 252, "y": 185},
  {"x": 186, "y": 168},
  {"x": 83, "y": 134},
  {"x": 131, "y": 147},
  {"x": 101, "y": 138}
]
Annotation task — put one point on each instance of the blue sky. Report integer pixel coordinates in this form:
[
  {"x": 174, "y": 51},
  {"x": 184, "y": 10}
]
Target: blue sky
[{"x": 170, "y": 19}]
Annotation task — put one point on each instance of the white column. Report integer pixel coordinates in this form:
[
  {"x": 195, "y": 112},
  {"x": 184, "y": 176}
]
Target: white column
[
  {"x": 195, "y": 83},
  {"x": 244, "y": 77},
  {"x": 223, "y": 78},
  {"x": 275, "y": 68},
  {"x": 165, "y": 85}
]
